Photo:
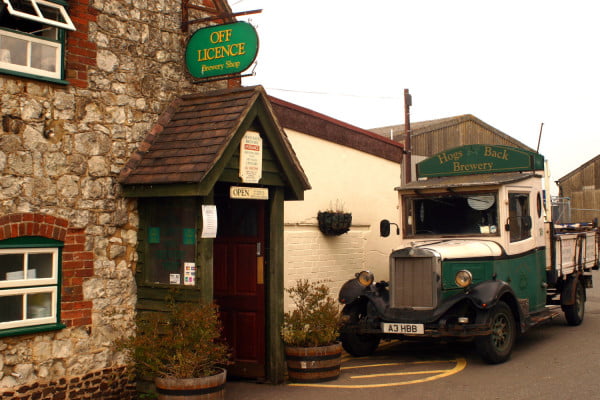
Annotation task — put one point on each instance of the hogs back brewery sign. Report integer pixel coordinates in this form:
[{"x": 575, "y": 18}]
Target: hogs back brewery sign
[
  {"x": 221, "y": 50},
  {"x": 479, "y": 159}
]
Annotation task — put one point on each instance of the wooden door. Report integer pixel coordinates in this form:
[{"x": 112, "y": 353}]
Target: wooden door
[{"x": 239, "y": 282}]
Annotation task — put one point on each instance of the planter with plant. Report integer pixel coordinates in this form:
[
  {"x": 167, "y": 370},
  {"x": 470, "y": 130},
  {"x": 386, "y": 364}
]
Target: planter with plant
[
  {"x": 334, "y": 221},
  {"x": 310, "y": 332},
  {"x": 182, "y": 350}
]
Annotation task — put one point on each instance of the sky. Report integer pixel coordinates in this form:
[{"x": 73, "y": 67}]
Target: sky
[{"x": 514, "y": 64}]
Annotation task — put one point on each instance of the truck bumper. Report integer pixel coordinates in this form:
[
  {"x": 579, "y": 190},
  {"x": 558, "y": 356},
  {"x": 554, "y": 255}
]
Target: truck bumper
[{"x": 436, "y": 330}]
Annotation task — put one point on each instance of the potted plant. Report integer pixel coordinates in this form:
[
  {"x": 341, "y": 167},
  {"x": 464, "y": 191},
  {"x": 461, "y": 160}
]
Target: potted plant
[
  {"x": 182, "y": 350},
  {"x": 334, "y": 221},
  {"x": 310, "y": 332}
]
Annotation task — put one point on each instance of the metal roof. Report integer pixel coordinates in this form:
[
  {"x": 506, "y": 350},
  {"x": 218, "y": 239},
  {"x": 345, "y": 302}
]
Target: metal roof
[{"x": 461, "y": 181}]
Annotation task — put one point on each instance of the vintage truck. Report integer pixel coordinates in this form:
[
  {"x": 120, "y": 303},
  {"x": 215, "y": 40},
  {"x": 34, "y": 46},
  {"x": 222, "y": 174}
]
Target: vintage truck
[{"x": 479, "y": 257}]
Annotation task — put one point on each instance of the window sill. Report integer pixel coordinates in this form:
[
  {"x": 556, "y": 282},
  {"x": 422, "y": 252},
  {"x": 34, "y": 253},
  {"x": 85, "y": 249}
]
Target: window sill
[
  {"x": 31, "y": 329},
  {"x": 34, "y": 77}
]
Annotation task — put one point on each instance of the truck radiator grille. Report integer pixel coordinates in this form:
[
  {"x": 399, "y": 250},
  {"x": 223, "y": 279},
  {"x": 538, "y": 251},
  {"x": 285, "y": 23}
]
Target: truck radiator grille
[{"x": 413, "y": 282}]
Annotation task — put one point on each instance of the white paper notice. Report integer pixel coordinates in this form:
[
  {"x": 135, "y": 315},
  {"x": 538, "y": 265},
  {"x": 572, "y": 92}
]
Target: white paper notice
[
  {"x": 175, "y": 279},
  {"x": 209, "y": 221},
  {"x": 251, "y": 157}
]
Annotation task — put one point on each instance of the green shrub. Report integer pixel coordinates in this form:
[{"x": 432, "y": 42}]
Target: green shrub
[
  {"x": 315, "y": 320},
  {"x": 183, "y": 342}
]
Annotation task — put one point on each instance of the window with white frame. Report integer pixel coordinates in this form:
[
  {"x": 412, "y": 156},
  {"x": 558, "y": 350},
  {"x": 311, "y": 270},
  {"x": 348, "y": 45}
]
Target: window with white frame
[
  {"x": 32, "y": 37},
  {"x": 29, "y": 287}
]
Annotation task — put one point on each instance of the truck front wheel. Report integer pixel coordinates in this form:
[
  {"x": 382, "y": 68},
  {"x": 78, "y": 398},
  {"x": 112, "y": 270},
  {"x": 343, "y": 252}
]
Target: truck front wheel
[
  {"x": 356, "y": 344},
  {"x": 496, "y": 347}
]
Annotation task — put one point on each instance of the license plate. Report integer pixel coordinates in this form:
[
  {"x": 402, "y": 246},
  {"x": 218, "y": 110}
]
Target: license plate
[{"x": 403, "y": 329}]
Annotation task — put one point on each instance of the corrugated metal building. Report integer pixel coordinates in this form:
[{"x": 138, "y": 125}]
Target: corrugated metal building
[
  {"x": 431, "y": 137},
  {"x": 582, "y": 187}
]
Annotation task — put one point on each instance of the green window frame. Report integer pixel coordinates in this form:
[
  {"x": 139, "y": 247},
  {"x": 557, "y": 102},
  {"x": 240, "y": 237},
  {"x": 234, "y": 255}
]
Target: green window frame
[
  {"x": 32, "y": 38},
  {"x": 169, "y": 236},
  {"x": 30, "y": 285}
]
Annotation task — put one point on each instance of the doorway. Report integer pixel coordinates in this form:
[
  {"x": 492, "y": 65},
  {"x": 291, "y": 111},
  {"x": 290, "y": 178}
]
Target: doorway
[{"x": 239, "y": 288}]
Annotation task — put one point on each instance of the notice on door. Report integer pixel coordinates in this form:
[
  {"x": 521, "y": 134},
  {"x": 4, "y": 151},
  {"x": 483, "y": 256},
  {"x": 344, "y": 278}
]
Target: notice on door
[{"x": 251, "y": 157}]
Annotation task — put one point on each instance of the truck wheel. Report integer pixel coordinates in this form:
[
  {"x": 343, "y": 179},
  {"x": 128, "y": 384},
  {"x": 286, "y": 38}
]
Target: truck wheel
[
  {"x": 354, "y": 343},
  {"x": 574, "y": 313},
  {"x": 496, "y": 347}
]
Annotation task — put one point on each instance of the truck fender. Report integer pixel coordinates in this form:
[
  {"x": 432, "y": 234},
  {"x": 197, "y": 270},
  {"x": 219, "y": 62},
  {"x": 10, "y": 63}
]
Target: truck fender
[
  {"x": 351, "y": 291},
  {"x": 569, "y": 290},
  {"x": 487, "y": 294}
]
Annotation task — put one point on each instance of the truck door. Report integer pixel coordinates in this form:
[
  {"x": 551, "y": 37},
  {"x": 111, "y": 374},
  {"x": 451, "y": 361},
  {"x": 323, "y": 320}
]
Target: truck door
[{"x": 527, "y": 271}]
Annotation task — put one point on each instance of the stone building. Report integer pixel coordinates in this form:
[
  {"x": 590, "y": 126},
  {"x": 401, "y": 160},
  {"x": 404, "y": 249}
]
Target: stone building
[
  {"x": 108, "y": 145},
  {"x": 81, "y": 87}
]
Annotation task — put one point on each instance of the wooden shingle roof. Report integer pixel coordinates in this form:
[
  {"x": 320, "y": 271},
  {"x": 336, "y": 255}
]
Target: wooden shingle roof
[{"x": 193, "y": 133}]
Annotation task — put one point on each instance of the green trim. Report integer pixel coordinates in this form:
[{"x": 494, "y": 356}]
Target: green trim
[
  {"x": 274, "y": 273},
  {"x": 204, "y": 258},
  {"x": 32, "y": 329},
  {"x": 62, "y": 40},
  {"x": 36, "y": 77},
  {"x": 167, "y": 190},
  {"x": 30, "y": 241}
]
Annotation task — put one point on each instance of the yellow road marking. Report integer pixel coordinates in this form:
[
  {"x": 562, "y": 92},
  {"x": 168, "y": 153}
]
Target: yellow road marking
[
  {"x": 397, "y": 364},
  {"x": 439, "y": 371},
  {"x": 461, "y": 363}
]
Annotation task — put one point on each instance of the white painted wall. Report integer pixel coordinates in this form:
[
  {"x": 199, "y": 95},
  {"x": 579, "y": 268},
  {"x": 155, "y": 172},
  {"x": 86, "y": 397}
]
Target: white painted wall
[{"x": 364, "y": 184}]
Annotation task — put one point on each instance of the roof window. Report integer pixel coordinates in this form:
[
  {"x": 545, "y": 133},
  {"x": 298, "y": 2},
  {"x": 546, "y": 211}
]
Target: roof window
[{"x": 41, "y": 11}]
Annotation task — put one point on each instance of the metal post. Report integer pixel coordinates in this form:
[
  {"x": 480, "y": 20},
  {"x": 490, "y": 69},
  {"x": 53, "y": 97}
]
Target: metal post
[{"x": 407, "y": 145}]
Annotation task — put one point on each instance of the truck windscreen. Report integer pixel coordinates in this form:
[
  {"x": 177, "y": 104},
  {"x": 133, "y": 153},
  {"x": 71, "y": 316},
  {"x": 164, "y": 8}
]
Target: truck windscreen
[{"x": 452, "y": 214}]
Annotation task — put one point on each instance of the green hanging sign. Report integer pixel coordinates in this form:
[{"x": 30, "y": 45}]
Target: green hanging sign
[
  {"x": 221, "y": 50},
  {"x": 479, "y": 159}
]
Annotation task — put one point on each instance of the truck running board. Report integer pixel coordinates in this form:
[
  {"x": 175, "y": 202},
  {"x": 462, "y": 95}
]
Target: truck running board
[{"x": 547, "y": 314}]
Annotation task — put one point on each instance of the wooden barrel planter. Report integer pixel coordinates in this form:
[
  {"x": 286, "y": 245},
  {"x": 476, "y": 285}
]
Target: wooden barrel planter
[
  {"x": 204, "y": 388},
  {"x": 313, "y": 364}
]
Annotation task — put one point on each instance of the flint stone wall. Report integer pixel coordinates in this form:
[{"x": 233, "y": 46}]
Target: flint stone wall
[{"x": 61, "y": 149}]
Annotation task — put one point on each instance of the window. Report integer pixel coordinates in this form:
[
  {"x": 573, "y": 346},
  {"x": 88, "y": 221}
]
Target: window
[
  {"x": 519, "y": 219},
  {"x": 452, "y": 214},
  {"x": 171, "y": 240},
  {"x": 32, "y": 37},
  {"x": 29, "y": 283}
]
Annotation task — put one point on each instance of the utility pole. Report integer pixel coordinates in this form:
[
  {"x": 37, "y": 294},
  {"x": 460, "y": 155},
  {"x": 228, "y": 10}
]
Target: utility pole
[
  {"x": 539, "y": 138},
  {"x": 407, "y": 174}
]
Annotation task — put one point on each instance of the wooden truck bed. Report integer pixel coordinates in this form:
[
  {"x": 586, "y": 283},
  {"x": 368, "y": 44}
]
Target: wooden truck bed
[{"x": 574, "y": 249}]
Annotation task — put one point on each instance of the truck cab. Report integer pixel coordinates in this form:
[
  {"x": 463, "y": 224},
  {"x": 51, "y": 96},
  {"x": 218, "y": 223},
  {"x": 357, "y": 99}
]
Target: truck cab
[{"x": 477, "y": 257}]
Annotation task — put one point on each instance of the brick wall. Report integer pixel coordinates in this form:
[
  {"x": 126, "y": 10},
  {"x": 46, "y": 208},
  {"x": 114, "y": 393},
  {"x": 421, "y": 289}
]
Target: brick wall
[
  {"x": 77, "y": 262},
  {"x": 107, "y": 384},
  {"x": 333, "y": 259},
  {"x": 81, "y": 52}
]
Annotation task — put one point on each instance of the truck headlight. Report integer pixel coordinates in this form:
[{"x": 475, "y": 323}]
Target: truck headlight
[
  {"x": 463, "y": 278},
  {"x": 365, "y": 278}
]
